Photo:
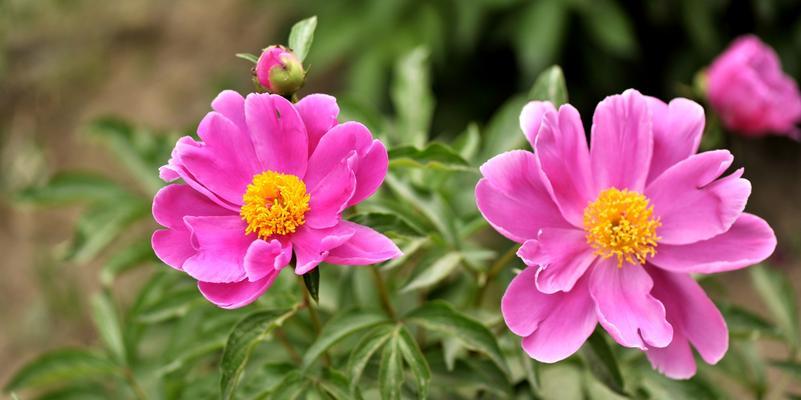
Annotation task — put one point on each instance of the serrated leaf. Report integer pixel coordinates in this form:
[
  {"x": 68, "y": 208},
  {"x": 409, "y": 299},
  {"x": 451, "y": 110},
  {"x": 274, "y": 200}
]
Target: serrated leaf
[
  {"x": 387, "y": 223},
  {"x": 338, "y": 328},
  {"x": 436, "y": 272},
  {"x": 412, "y": 97},
  {"x": 61, "y": 367},
  {"x": 435, "y": 155},
  {"x": 245, "y": 335},
  {"x": 550, "y": 86},
  {"x": 311, "y": 280},
  {"x": 101, "y": 224},
  {"x": 390, "y": 373},
  {"x": 778, "y": 295},
  {"x": 364, "y": 350},
  {"x": 71, "y": 187},
  {"x": 108, "y": 326},
  {"x": 301, "y": 37},
  {"x": 440, "y": 317},
  {"x": 249, "y": 57},
  {"x": 602, "y": 363},
  {"x": 415, "y": 360}
]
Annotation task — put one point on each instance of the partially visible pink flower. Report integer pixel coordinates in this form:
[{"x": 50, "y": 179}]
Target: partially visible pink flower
[
  {"x": 279, "y": 71},
  {"x": 747, "y": 88},
  {"x": 611, "y": 233},
  {"x": 268, "y": 179}
]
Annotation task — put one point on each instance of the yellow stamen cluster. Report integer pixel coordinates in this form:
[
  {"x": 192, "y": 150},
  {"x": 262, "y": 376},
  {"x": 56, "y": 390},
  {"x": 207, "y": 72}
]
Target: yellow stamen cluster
[
  {"x": 620, "y": 223},
  {"x": 274, "y": 204}
]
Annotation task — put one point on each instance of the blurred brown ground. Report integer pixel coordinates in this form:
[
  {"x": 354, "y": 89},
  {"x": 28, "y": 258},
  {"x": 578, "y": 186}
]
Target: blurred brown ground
[{"x": 160, "y": 64}]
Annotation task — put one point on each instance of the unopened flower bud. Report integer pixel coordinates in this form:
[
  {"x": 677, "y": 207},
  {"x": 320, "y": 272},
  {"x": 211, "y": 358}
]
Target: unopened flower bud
[{"x": 279, "y": 71}]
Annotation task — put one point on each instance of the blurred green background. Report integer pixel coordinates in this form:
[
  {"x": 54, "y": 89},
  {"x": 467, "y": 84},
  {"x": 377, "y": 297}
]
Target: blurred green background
[{"x": 64, "y": 63}]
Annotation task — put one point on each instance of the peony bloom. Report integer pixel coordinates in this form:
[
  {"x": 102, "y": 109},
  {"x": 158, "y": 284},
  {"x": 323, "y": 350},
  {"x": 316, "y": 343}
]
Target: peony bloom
[
  {"x": 268, "y": 179},
  {"x": 747, "y": 88},
  {"x": 279, "y": 71},
  {"x": 611, "y": 233}
]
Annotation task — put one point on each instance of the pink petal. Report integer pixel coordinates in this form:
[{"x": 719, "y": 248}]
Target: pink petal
[
  {"x": 312, "y": 246},
  {"x": 372, "y": 169},
  {"x": 366, "y": 246},
  {"x": 531, "y": 118},
  {"x": 278, "y": 134},
  {"x": 335, "y": 146},
  {"x": 565, "y": 329},
  {"x": 562, "y": 256},
  {"x": 330, "y": 197},
  {"x": 523, "y": 306},
  {"x": 749, "y": 241},
  {"x": 678, "y": 127},
  {"x": 622, "y": 142},
  {"x": 676, "y": 360},
  {"x": 319, "y": 113},
  {"x": 692, "y": 313},
  {"x": 236, "y": 294},
  {"x": 561, "y": 149},
  {"x": 232, "y": 105},
  {"x": 691, "y": 204},
  {"x": 625, "y": 306},
  {"x": 172, "y": 247},
  {"x": 173, "y": 202},
  {"x": 513, "y": 198},
  {"x": 227, "y": 140},
  {"x": 221, "y": 245},
  {"x": 263, "y": 258}
]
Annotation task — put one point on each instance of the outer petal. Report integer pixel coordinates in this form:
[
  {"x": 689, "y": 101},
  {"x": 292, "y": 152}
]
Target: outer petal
[
  {"x": 331, "y": 195},
  {"x": 335, "y": 146},
  {"x": 625, "y": 306},
  {"x": 172, "y": 247},
  {"x": 678, "y": 127},
  {"x": 236, "y": 294},
  {"x": 263, "y": 258},
  {"x": 563, "y": 256},
  {"x": 319, "y": 113},
  {"x": 232, "y": 105},
  {"x": 749, "y": 241},
  {"x": 692, "y": 313},
  {"x": 691, "y": 204},
  {"x": 371, "y": 172},
  {"x": 676, "y": 360},
  {"x": 513, "y": 198},
  {"x": 221, "y": 245},
  {"x": 561, "y": 148},
  {"x": 278, "y": 134},
  {"x": 622, "y": 142},
  {"x": 312, "y": 246},
  {"x": 523, "y": 306},
  {"x": 531, "y": 118},
  {"x": 366, "y": 246}
]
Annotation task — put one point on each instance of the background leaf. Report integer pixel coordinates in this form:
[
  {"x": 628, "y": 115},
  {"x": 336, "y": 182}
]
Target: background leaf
[{"x": 301, "y": 37}]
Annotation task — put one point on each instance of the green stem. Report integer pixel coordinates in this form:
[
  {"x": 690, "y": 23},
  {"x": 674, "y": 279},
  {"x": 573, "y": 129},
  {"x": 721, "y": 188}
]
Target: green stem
[
  {"x": 131, "y": 379},
  {"x": 383, "y": 294},
  {"x": 279, "y": 334}
]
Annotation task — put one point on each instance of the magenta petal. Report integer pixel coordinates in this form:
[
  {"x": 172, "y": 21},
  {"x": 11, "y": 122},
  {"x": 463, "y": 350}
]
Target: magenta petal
[
  {"x": 232, "y": 105},
  {"x": 563, "y": 258},
  {"x": 175, "y": 201},
  {"x": 319, "y": 113},
  {"x": 691, "y": 204},
  {"x": 229, "y": 144},
  {"x": 312, "y": 246},
  {"x": 263, "y": 257},
  {"x": 236, "y": 294},
  {"x": 531, "y": 118},
  {"x": 678, "y": 127},
  {"x": 676, "y": 360},
  {"x": 371, "y": 172},
  {"x": 570, "y": 320},
  {"x": 330, "y": 197},
  {"x": 625, "y": 306},
  {"x": 366, "y": 246},
  {"x": 221, "y": 245},
  {"x": 172, "y": 246},
  {"x": 622, "y": 142},
  {"x": 561, "y": 149},
  {"x": 749, "y": 241},
  {"x": 335, "y": 146},
  {"x": 278, "y": 134},
  {"x": 523, "y": 306}
]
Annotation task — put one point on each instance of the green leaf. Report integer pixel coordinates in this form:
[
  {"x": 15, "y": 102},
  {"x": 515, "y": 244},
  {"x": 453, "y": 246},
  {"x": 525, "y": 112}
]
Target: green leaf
[
  {"x": 436, "y": 272},
  {"x": 608, "y": 24},
  {"x": 246, "y": 334},
  {"x": 503, "y": 129},
  {"x": 539, "y": 33},
  {"x": 364, "y": 350},
  {"x": 312, "y": 281},
  {"x": 746, "y": 324},
  {"x": 174, "y": 304},
  {"x": 434, "y": 156},
  {"x": 412, "y": 97},
  {"x": 339, "y": 327},
  {"x": 415, "y": 360},
  {"x": 790, "y": 367},
  {"x": 387, "y": 223},
  {"x": 777, "y": 293},
  {"x": 101, "y": 224},
  {"x": 249, "y": 57},
  {"x": 468, "y": 143},
  {"x": 602, "y": 363},
  {"x": 137, "y": 254},
  {"x": 390, "y": 373},
  {"x": 61, "y": 367},
  {"x": 71, "y": 187},
  {"x": 550, "y": 86},
  {"x": 440, "y": 317},
  {"x": 291, "y": 387},
  {"x": 301, "y": 37},
  {"x": 108, "y": 326},
  {"x": 336, "y": 385}
]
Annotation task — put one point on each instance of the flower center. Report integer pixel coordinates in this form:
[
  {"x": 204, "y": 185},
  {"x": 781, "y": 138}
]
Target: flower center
[
  {"x": 274, "y": 204},
  {"x": 620, "y": 223}
]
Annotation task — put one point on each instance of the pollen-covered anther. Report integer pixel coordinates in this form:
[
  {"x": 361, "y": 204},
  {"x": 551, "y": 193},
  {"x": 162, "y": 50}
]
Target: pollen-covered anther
[
  {"x": 274, "y": 204},
  {"x": 620, "y": 223}
]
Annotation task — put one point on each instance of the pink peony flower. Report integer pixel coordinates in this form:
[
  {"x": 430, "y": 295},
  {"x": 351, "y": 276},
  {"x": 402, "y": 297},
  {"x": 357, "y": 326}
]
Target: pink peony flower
[
  {"x": 611, "y": 233},
  {"x": 747, "y": 88},
  {"x": 268, "y": 179},
  {"x": 279, "y": 71}
]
